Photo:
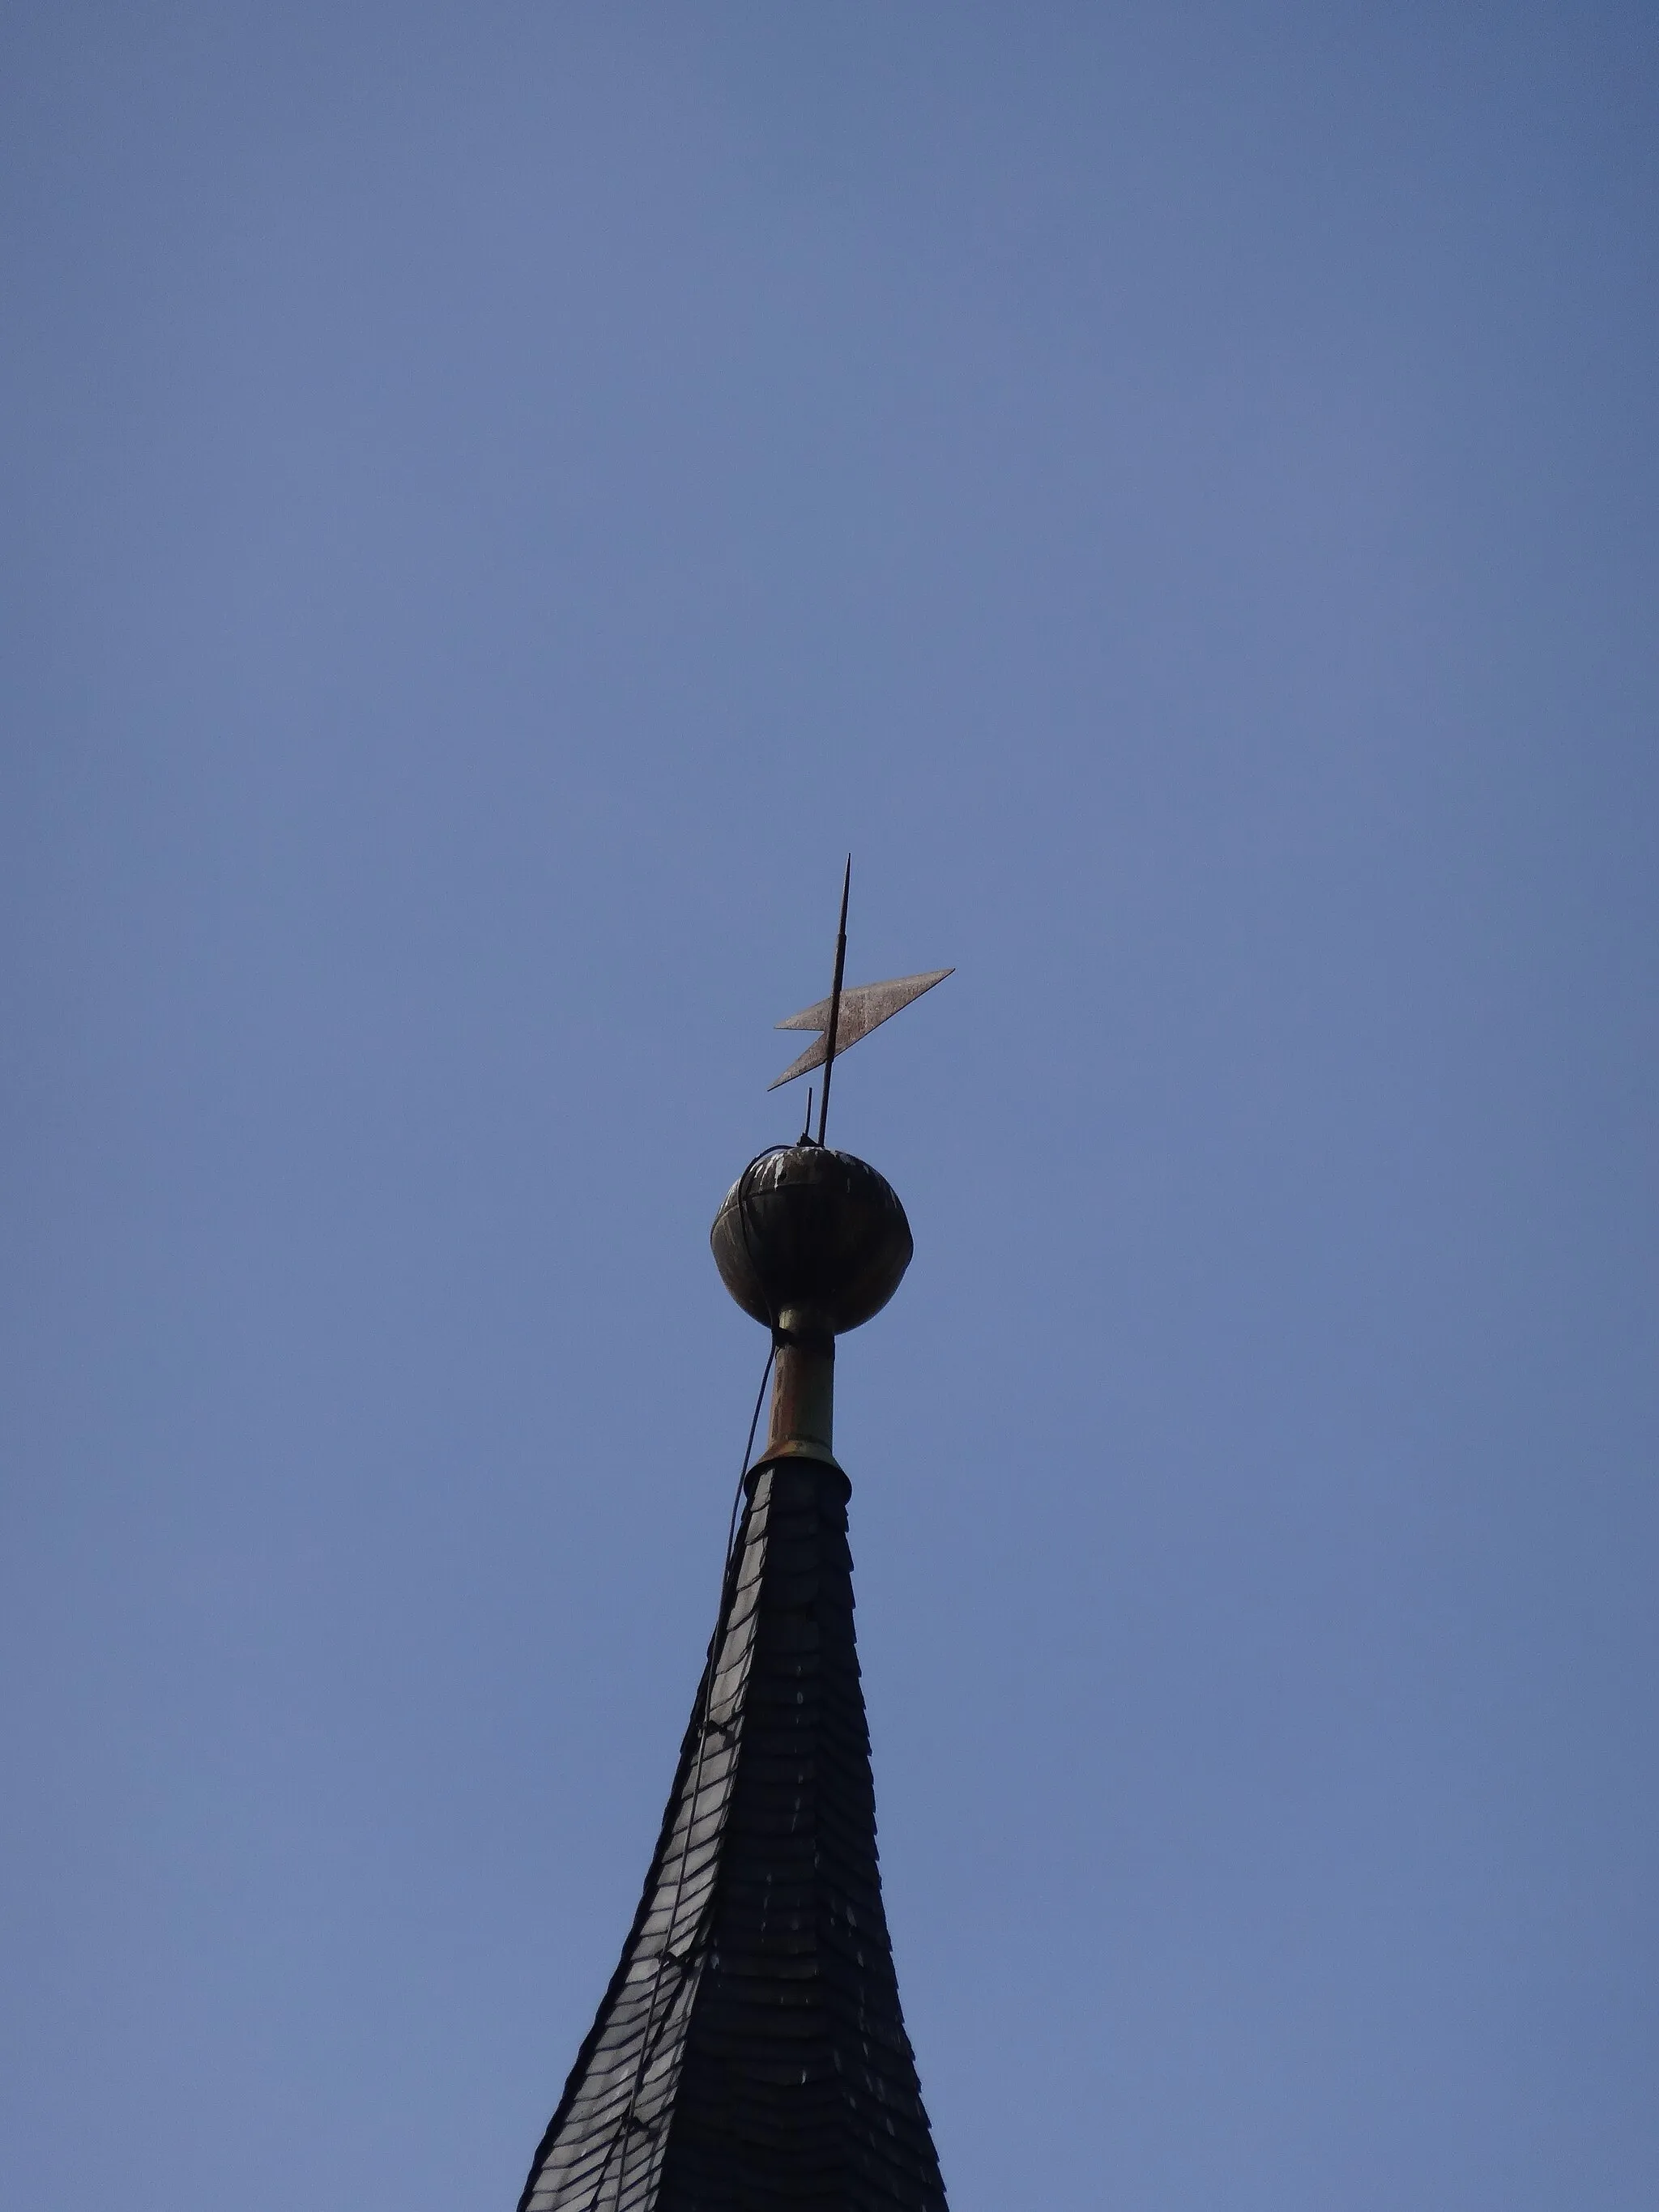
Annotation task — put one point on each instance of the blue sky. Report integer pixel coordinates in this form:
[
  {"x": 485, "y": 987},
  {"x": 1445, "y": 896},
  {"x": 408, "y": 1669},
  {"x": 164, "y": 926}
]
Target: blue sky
[{"x": 498, "y": 500}]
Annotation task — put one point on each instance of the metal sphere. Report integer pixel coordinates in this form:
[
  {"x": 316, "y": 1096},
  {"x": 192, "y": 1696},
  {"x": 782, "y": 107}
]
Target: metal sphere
[{"x": 814, "y": 1234}]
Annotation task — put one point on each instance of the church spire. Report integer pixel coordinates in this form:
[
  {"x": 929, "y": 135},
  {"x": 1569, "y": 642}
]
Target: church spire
[{"x": 750, "y": 2054}]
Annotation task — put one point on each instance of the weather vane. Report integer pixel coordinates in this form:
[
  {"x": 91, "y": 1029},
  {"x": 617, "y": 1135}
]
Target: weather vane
[{"x": 846, "y": 1016}]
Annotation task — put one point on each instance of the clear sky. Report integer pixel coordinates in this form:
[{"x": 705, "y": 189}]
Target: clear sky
[{"x": 498, "y": 499}]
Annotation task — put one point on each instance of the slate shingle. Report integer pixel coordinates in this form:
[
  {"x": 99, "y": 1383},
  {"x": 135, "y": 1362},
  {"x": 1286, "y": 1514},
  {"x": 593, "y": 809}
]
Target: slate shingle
[{"x": 751, "y": 2055}]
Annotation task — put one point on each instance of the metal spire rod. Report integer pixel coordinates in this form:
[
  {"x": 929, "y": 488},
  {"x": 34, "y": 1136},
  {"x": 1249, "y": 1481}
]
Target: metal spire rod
[{"x": 835, "y": 998}]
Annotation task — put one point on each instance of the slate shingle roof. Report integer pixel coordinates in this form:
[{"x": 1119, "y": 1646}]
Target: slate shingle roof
[{"x": 751, "y": 2055}]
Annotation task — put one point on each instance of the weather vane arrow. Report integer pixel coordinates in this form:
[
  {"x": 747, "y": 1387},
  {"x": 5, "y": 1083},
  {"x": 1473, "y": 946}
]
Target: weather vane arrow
[{"x": 848, "y": 1015}]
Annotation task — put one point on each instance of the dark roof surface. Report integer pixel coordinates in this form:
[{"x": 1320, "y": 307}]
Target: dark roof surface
[{"x": 749, "y": 2053}]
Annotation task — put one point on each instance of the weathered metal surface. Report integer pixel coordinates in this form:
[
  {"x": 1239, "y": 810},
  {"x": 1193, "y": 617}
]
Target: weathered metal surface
[
  {"x": 813, "y": 1230},
  {"x": 803, "y": 1419},
  {"x": 750, "y": 2053},
  {"x": 862, "y": 1009}
]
